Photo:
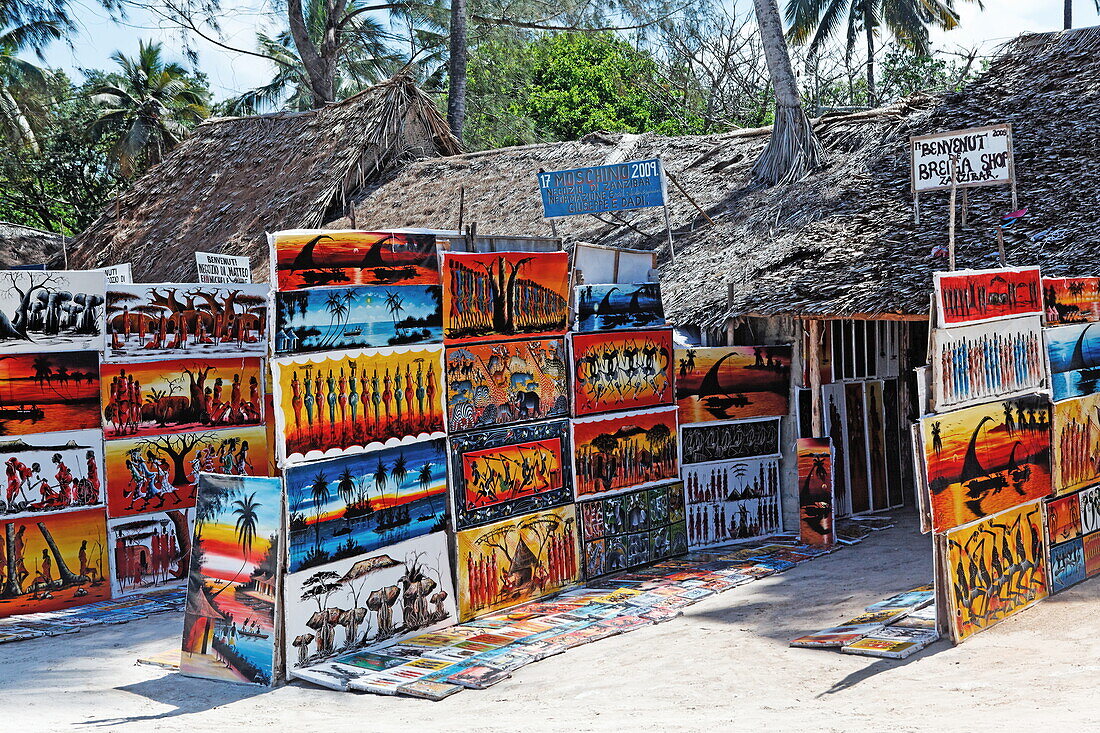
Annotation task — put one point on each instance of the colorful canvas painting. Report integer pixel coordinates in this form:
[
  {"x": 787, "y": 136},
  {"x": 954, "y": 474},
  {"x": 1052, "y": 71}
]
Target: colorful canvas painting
[
  {"x": 1063, "y": 518},
  {"x": 355, "y": 504},
  {"x": 638, "y": 527},
  {"x": 340, "y": 402},
  {"x": 150, "y": 551},
  {"x": 1089, "y": 507},
  {"x": 42, "y": 393},
  {"x": 815, "y": 491},
  {"x": 983, "y": 459},
  {"x": 159, "y": 472},
  {"x": 732, "y": 382},
  {"x": 503, "y": 383},
  {"x": 624, "y": 451},
  {"x": 622, "y": 370},
  {"x": 1074, "y": 355},
  {"x": 978, "y": 363},
  {"x": 503, "y": 294},
  {"x": 994, "y": 568},
  {"x": 517, "y": 560},
  {"x": 309, "y": 258},
  {"x": 229, "y": 628},
  {"x": 1067, "y": 565},
  {"x": 52, "y": 310},
  {"x": 1071, "y": 299},
  {"x": 613, "y": 307},
  {"x": 358, "y": 317},
  {"x": 185, "y": 319},
  {"x": 729, "y": 440},
  {"x": 732, "y": 500},
  {"x": 1076, "y": 443},
  {"x": 1091, "y": 549},
  {"x": 876, "y": 444},
  {"x": 974, "y": 296},
  {"x": 147, "y": 398},
  {"x": 506, "y": 472},
  {"x": 50, "y": 473}
]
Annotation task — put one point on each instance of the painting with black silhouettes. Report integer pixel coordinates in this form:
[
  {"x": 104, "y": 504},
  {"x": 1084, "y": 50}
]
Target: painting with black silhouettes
[
  {"x": 51, "y": 310},
  {"x": 149, "y": 551},
  {"x": 638, "y": 527},
  {"x": 1074, "y": 355},
  {"x": 732, "y": 382},
  {"x": 612, "y": 307},
  {"x": 732, "y": 500},
  {"x": 311, "y": 258},
  {"x": 729, "y": 440}
]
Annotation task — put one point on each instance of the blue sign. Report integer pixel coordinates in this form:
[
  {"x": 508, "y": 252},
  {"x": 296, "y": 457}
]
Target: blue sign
[{"x": 619, "y": 187}]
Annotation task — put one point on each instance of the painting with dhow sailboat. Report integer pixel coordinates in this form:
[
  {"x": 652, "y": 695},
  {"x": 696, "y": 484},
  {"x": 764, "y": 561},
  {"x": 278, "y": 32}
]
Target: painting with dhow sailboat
[
  {"x": 310, "y": 258},
  {"x": 42, "y": 393},
  {"x": 611, "y": 307},
  {"x": 625, "y": 370},
  {"x": 732, "y": 382},
  {"x": 1074, "y": 354}
]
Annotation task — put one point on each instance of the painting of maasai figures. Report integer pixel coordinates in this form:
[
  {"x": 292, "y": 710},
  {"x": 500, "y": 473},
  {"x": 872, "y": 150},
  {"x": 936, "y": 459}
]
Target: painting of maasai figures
[
  {"x": 159, "y": 472},
  {"x": 815, "y": 491},
  {"x": 1071, "y": 299},
  {"x": 357, "y": 318},
  {"x": 975, "y": 296},
  {"x": 622, "y": 370},
  {"x": 229, "y": 630},
  {"x": 983, "y": 459},
  {"x": 972, "y": 364},
  {"x": 58, "y": 310},
  {"x": 150, "y": 550},
  {"x": 309, "y": 258},
  {"x": 732, "y": 500},
  {"x": 732, "y": 382},
  {"x": 1074, "y": 354},
  {"x": 498, "y": 295},
  {"x": 612, "y": 307},
  {"x": 51, "y": 473},
  {"x": 340, "y": 402},
  {"x": 624, "y": 451},
  {"x": 351, "y": 505},
  {"x": 370, "y": 599},
  {"x": 994, "y": 568},
  {"x": 1089, "y": 508},
  {"x": 185, "y": 319},
  {"x": 41, "y": 393},
  {"x": 517, "y": 560},
  {"x": 507, "y": 472},
  {"x": 1091, "y": 546},
  {"x": 146, "y": 398},
  {"x": 727, "y": 441},
  {"x": 638, "y": 527},
  {"x": 1076, "y": 443},
  {"x": 835, "y": 412},
  {"x": 1063, "y": 518},
  {"x": 1067, "y": 565},
  {"x": 503, "y": 383}
]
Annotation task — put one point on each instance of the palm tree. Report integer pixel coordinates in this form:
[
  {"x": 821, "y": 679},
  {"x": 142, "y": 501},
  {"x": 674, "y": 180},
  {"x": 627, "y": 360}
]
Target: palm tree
[
  {"x": 395, "y": 304},
  {"x": 381, "y": 478},
  {"x": 337, "y": 309},
  {"x": 247, "y": 520},
  {"x": 319, "y": 493},
  {"x": 1067, "y": 12},
  {"x": 399, "y": 471},
  {"x": 19, "y": 78}
]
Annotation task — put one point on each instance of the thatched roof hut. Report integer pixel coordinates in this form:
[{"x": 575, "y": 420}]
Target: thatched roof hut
[
  {"x": 234, "y": 179},
  {"x": 20, "y": 246}
]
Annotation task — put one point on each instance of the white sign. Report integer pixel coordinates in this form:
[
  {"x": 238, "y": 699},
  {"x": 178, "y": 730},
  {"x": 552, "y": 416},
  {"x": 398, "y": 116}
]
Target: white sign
[
  {"x": 983, "y": 157},
  {"x": 117, "y": 273},
  {"x": 215, "y": 268}
]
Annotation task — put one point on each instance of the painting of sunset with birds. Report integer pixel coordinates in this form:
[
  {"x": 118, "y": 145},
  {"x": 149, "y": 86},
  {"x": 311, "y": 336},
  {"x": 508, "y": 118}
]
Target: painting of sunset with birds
[
  {"x": 732, "y": 382},
  {"x": 309, "y": 258}
]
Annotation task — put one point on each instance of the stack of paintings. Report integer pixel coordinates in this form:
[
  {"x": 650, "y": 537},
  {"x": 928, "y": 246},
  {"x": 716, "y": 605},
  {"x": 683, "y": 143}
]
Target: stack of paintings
[{"x": 1073, "y": 537}]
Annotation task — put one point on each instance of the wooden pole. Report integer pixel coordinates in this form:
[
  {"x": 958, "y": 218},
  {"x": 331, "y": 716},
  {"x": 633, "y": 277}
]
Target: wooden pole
[
  {"x": 951, "y": 221},
  {"x": 687, "y": 195},
  {"x": 1001, "y": 245},
  {"x": 813, "y": 356},
  {"x": 668, "y": 230},
  {"x": 964, "y": 206}
]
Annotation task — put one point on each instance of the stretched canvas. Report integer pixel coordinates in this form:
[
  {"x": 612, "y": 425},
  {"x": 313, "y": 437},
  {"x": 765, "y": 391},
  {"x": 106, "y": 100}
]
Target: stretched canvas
[
  {"x": 1089, "y": 506},
  {"x": 506, "y": 472},
  {"x": 1063, "y": 519},
  {"x": 43, "y": 393},
  {"x": 622, "y": 531},
  {"x": 975, "y": 296},
  {"x": 150, "y": 551},
  {"x": 815, "y": 491},
  {"x": 347, "y": 506},
  {"x": 835, "y": 413},
  {"x": 1091, "y": 549},
  {"x": 732, "y": 382},
  {"x": 729, "y": 440},
  {"x": 624, "y": 451},
  {"x": 621, "y": 370},
  {"x": 984, "y": 459},
  {"x": 732, "y": 500},
  {"x": 612, "y": 307},
  {"x": 341, "y": 402},
  {"x": 51, "y": 310},
  {"x": 310, "y": 258},
  {"x": 972, "y": 364},
  {"x": 1067, "y": 565},
  {"x": 1074, "y": 356},
  {"x": 874, "y": 409},
  {"x": 503, "y": 383},
  {"x": 1071, "y": 299},
  {"x": 51, "y": 473}
]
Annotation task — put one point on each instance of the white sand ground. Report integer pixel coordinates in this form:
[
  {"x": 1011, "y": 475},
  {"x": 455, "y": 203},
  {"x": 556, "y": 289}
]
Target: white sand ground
[{"x": 723, "y": 666}]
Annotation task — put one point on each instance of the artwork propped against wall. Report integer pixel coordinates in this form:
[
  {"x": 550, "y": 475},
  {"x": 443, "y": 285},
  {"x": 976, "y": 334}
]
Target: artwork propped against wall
[
  {"x": 984, "y": 459},
  {"x": 1089, "y": 508},
  {"x": 815, "y": 491},
  {"x": 613, "y": 307},
  {"x": 310, "y": 258},
  {"x": 626, "y": 530},
  {"x": 1076, "y": 443},
  {"x": 146, "y": 321},
  {"x": 340, "y": 402},
  {"x": 1091, "y": 548},
  {"x": 624, "y": 451},
  {"x": 229, "y": 629},
  {"x": 52, "y": 310},
  {"x": 150, "y": 551},
  {"x": 859, "y": 475},
  {"x": 730, "y": 440},
  {"x": 1071, "y": 299},
  {"x": 732, "y": 500},
  {"x": 1067, "y": 565},
  {"x": 51, "y": 473},
  {"x": 975, "y": 296},
  {"x": 1074, "y": 354},
  {"x": 972, "y": 364},
  {"x": 1063, "y": 518},
  {"x": 732, "y": 382},
  {"x": 42, "y": 393},
  {"x": 622, "y": 370},
  {"x": 834, "y": 409},
  {"x": 874, "y": 408}
]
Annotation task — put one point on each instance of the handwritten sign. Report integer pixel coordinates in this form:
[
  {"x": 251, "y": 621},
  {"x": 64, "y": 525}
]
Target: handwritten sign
[
  {"x": 214, "y": 268},
  {"x": 619, "y": 187},
  {"x": 983, "y": 157}
]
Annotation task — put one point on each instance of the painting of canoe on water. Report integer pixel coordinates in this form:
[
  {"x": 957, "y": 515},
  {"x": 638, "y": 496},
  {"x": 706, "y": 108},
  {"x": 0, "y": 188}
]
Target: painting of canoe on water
[
  {"x": 975, "y": 296},
  {"x": 1071, "y": 300},
  {"x": 1074, "y": 355},
  {"x": 357, "y": 317},
  {"x": 611, "y": 307},
  {"x": 310, "y": 258},
  {"x": 42, "y": 393},
  {"x": 983, "y": 459},
  {"x": 57, "y": 310},
  {"x": 732, "y": 382}
]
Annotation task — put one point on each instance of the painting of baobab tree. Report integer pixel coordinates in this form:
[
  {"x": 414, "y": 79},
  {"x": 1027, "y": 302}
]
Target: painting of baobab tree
[
  {"x": 229, "y": 630},
  {"x": 51, "y": 310},
  {"x": 310, "y": 258},
  {"x": 625, "y": 451},
  {"x": 375, "y": 598}
]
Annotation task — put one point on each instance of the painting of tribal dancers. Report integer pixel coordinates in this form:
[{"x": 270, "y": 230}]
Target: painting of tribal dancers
[
  {"x": 973, "y": 364},
  {"x": 42, "y": 393},
  {"x": 1076, "y": 443},
  {"x": 159, "y": 472},
  {"x": 229, "y": 629},
  {"x": 626, "y": 530},
  {"x": 613, "y": 307},
  {"x": 976, "y": 296},
  {"x": 52, "y": 472},
  {"x": 53, "y": 561},
  {"x": 729, "y": 440},
  {"x": 622, "y": 370},
  {"x": 815, "y": 491},
  {"x": 150, "y": 550},
  {"x": 1074, "y": 355},
  {"x": 517, "y": 560},
  {"x": 368, "y": 600},
  {"x": 146, "y": 398},
  {"x": 732, "y": 500},
  {"x": 310, "y": 258},
  {"x": 502, "y": 383},
  {"x": 1067, "y": 565},
  {"x": 147, "y": 321},
  {"x": 625, "y": 451},
  {"x": 1071, "y": 300},
  {"x": 1063, "y": 518},
  {"x": 54, "y": 310},
  {"x": 732, "y": 382},
  {"x": 503, "y": 294},
  {"x": 340, "y": 402}
]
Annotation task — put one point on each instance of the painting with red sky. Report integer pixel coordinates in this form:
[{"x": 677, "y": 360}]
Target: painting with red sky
[
  {"x": 975, "y": 296},
  {"x": 229, "y": 625},
  {"x": 732, "y": 382},
  {"x": 624, "y": 370},
  {"x": 984, "y": 459},
  {"x": 307, "y": 258},
  {"x": 42, "y": 393}
]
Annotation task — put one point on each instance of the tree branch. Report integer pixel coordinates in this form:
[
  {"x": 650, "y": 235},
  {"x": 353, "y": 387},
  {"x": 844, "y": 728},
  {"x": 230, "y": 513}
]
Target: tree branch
[{"x": 545, "y": 27}]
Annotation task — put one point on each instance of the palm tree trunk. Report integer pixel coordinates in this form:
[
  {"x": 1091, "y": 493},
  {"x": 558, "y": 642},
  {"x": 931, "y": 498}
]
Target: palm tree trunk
[
  {"x": 320, "y": 72},
  {"x": 456, "y": 91},
  {"x": 10, "y": 108},
  {"x": 1067, "y": 14},
  {"x": 872, "y": 93}
]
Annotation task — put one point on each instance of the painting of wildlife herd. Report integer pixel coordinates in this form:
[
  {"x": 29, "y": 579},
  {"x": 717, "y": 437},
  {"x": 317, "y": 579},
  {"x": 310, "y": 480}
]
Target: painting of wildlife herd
[{"x": 56, "y": 310}]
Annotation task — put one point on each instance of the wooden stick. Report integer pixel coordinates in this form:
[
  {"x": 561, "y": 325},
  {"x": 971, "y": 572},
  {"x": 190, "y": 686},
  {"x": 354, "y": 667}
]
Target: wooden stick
[
  {"x": 1001, "y": 245},
  {"x": 951, "y": 222},
  {"x": 687, "y": 195},
  {"x": 817, "y": 421}
]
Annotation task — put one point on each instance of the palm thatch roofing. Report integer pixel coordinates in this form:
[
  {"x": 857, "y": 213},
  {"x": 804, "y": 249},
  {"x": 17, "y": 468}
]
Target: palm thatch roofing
[
  {"x": 234, "y": 179},
  {"x": 840, "y": 243},
  {"x": 22, "y": 246}
]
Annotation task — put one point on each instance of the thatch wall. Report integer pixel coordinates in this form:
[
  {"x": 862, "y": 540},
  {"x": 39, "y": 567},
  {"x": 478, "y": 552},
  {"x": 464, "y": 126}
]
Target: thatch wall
[{"x": 20, "y": 245}]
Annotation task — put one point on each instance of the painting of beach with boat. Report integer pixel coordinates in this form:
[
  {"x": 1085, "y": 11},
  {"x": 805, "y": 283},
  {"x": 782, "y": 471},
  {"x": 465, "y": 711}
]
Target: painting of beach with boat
[
  {"x": 1074, "y": 353},
  {"x": 610, "y": 307},
  {"x": 732, "y": 382},
  {"x": 42, "y": 393},
  {"x": 317, "y": 258}
]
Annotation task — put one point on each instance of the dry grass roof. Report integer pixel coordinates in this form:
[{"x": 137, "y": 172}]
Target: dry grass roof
[{"x": 20, "y": 246}]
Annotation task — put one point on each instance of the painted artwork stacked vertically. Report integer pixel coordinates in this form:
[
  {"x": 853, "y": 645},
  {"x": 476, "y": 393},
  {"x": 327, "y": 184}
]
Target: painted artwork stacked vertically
[{"x": 815, "y": 491}]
